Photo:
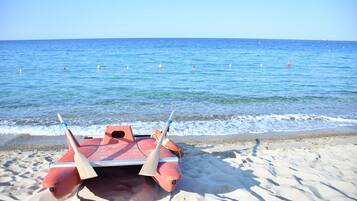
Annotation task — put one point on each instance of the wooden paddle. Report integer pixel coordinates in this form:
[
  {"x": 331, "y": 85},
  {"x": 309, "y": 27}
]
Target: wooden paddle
[
  {"x": 150, "y": 166},
  {"x": 83, "y": 166}
]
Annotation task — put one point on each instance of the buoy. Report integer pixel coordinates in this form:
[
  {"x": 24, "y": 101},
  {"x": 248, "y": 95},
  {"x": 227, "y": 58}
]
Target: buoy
[
  {"x": 161, "y": 65},
  {"x": 98, "y": 66}
]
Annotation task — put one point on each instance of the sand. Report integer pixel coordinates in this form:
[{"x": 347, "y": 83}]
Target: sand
[{"x": 292, "y": 168}]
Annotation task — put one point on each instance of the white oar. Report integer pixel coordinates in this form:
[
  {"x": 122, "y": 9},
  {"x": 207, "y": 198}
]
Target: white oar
[
  {"x": 152, "y": 161},
  {"x": 83, "y": 166}
]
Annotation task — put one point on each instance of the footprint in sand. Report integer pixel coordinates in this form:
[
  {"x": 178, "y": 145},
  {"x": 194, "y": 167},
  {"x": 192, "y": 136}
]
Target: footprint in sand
[
  {"x": 22, "y": 166},
  {"x": 25, "y": 174},
  {"x": 249, "y": 160},
  {"x": 272, "y": 182},
  {"x": 8, "y": 163},
  {"x": 5, "y": 184},
  {"x": 293, "y": 169},
  {"x": 48, "y": 159},
  {"x": 272, "y": 171},
  {"x": 33, "y": 187},
  {"x": 315, "y": 191},
  {"x": 298, "y": 179}
]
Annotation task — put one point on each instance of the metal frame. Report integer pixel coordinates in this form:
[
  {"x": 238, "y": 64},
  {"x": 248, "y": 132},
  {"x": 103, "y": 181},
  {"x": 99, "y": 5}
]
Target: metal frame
[{"x": 111, "y": 163}]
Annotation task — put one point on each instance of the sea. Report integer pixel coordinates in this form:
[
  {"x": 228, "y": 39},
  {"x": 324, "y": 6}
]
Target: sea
[{"x": 215, "y": 86}]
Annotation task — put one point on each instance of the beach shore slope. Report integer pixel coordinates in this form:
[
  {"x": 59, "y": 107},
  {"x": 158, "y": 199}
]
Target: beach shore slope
[{"x": 290, "y": 168}]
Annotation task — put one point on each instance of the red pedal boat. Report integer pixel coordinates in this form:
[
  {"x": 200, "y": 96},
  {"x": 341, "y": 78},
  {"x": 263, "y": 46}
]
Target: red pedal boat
[{"x": 158, "y": 156}]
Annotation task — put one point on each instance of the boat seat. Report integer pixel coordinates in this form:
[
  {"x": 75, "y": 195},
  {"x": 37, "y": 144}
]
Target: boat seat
[{"x": 118, "y": 132}]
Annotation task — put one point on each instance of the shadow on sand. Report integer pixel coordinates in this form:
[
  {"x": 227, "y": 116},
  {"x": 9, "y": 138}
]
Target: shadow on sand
[
  {"x": 203, "y": 173},
  {"x": 122, "y": 183},
  {"x": 208, "y": 173}
]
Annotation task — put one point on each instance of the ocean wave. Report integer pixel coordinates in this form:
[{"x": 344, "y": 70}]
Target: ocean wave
[{"x": 238, "y": 124}]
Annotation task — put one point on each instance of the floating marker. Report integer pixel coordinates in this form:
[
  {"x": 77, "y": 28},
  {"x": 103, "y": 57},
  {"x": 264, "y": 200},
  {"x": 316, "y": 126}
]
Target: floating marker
[{"x": 161, "y": 65}]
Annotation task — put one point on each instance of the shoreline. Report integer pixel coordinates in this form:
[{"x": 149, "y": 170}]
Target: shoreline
[
  {"x": 30, "y": 142},
  {"x": 271, "y": 137}
]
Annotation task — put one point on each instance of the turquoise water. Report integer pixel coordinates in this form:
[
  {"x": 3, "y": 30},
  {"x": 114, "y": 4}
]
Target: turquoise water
[{"x": 217, "y": 86}]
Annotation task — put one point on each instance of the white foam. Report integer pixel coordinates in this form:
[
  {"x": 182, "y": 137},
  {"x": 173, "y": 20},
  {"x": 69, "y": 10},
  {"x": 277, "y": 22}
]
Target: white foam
[{"x": 240, "y": 124}]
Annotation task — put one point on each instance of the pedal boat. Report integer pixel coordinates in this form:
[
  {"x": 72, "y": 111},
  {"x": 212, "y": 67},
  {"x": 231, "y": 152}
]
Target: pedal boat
[{"x": 119, "y": 147}]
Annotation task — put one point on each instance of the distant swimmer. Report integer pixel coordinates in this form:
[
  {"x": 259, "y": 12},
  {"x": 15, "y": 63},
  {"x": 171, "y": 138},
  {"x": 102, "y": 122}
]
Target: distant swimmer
[
  {"x": 65, "y": 68},
  {"x": 98, "y": 66},
  {"x": 161, "y": 66},
  {"x": 290, "y": 63},
  {"x": 193, "y": 67}
]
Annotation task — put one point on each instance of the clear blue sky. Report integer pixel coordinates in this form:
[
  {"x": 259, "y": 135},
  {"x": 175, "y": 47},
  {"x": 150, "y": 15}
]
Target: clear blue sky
[{"x": 280, "y": 19}]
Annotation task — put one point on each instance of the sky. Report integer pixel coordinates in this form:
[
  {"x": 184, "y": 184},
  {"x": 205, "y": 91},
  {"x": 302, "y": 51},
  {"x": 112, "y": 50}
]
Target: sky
[{"x": 272, "y": 19}]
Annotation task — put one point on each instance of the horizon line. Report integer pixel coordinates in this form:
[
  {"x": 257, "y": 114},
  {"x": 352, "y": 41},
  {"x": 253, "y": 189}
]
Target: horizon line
[{"x": 242, "y": 38}]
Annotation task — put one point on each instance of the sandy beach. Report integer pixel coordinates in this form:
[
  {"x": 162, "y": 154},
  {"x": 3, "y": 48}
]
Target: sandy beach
[{"x": 308, "y": 167}]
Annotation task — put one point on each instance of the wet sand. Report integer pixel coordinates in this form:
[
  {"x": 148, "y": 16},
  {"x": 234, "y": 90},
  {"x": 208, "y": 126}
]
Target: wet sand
[{"x": 303, "y": 167}]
